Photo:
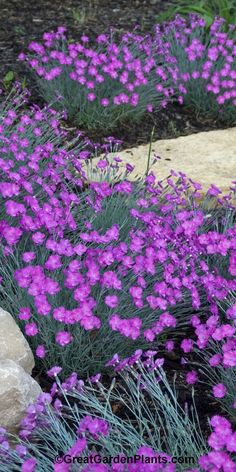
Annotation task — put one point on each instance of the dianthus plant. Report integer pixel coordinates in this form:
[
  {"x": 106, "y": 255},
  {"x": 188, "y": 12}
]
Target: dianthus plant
[
  {"x": 137, "y": 414},
  {"x": 205, "y": 62},
  {"x": 104, "y": 84},
  {"x": 107, "y": 270},
  {"x": 219, "y": 356}
]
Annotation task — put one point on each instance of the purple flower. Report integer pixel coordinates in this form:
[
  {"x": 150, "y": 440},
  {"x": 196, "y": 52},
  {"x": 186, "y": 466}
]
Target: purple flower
[
  {"x": 219, "y": 390},
  {"x": 31, "y": 329},
  {"x": 191, "y": 377},
  {"x": 215, "y": 360},
  {"x": 63, "y": 338},
  {"x": 111, "y": 301},
  {"x": 53, "y": 262},
  {"x": 54, "y": 371},
  {"x": 95, "y": 426},
  {"x": 40, "y": 351},
  {"x": 187, "y": 345},
  {"x": 24, "y": 314},
  {"x": 29, "y": 465},
  {"x": 28, "y": 256},
  {"x": 38, "y": 238}
]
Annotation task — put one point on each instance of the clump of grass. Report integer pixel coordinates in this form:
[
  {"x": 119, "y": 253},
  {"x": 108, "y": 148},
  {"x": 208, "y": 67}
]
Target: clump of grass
[
  {"x": 205, "y": 64},
  {"x": 87, "y": 417},
  {"x": 104, "y": 85},
  {"x": 206, "y": 9}
]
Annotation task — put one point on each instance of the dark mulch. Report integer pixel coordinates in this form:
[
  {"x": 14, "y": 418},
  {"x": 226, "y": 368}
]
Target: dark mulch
[
  {"x": 168, "y": 123},
  {"x": 22, "y": 22}
]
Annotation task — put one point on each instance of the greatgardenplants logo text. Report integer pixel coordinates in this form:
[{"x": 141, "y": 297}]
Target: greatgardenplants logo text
[{"x": 137, "y": 458}]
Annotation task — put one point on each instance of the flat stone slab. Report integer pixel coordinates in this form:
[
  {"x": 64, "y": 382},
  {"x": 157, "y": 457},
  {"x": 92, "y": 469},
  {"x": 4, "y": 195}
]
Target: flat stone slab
[{"x": 207, "y": 158}]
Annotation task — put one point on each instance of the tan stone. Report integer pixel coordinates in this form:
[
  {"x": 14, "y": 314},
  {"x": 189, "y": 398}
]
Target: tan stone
[
  {"x": 13, "y": 345},
  {"x": 17, "y": 391},
  {"x": 208, "y": 157}
]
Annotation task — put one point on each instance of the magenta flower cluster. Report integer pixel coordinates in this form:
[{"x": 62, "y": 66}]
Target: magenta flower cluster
[
  {"x": 132, "y": 286},
  {"x": 115, "y": 81},
  {"x": 110, "y": 81},
  {"x": 31, "y": 174},
  {"x": 205, "y": 60},
  {"x": 223, "y": 443}
]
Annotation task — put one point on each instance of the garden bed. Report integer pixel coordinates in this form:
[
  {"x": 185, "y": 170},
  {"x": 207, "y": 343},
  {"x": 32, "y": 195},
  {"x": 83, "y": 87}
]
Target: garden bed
[
  {"x": 93, "y": 18},
  {"x": 122, "y": 279}
]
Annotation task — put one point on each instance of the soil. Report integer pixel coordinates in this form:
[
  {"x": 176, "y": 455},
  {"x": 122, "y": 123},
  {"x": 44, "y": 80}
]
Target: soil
[
  {"x": 22, "y": 22},
  {"x": 172, "y": 122}
]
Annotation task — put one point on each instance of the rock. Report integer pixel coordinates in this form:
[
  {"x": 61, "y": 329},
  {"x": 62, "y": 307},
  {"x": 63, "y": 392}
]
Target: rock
[
  {"x": 17, "y": 391},
  {"x": 208, "y": 158},
  {"x": 13, "y": 345}
]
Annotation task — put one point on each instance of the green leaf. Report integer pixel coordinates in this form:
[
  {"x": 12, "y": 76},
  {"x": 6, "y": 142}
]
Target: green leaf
[
  {"x": 166, "y": 15},
  {"x": 23, "y": 83},
  {"x": 209, "y": 20},
  {"x": 9, "y": 77}
]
